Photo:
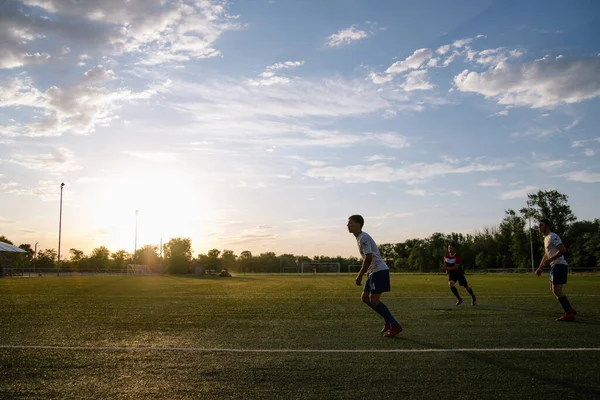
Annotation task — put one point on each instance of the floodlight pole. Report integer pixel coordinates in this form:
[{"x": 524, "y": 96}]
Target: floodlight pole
[
  {"x": 34, "y": 256},
  {"x": 59, "y": 227},
  {"x": 135, "y": 238},
  {"x": 530, "y": 234}
]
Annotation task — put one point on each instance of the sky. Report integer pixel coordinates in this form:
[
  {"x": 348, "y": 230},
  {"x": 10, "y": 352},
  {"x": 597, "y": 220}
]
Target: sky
[{"x": 262, "y": 125}]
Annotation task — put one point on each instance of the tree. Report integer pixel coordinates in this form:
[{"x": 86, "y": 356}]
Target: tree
[
  {"x": 5, "y": 240},
  {"x": 46, "y": 259},
  {"x": 552, "y": 205},
  {"x": 514, "y": 225},
  {"x": 120, "y": 259},
  {"x": 148, "y": 255},
  {"x": 228, "y": 259},
  {"x": 178, "y": 255},
  {"x": 99, "y": 260}
]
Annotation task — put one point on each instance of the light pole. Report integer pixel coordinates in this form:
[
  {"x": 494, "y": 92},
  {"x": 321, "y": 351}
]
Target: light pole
[
  {"x": 60, "y": 226},
  {"x": 34, "y": 257},
  {"x": 530, "y": 234},
  {"x": 135, "y": 239}
]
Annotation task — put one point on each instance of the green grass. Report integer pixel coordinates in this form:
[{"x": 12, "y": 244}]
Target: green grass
[{"x": 293, "y": 312}]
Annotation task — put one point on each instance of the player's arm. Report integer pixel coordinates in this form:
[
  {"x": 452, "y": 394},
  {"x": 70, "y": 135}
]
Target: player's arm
[{"x": 365, "y": 266}]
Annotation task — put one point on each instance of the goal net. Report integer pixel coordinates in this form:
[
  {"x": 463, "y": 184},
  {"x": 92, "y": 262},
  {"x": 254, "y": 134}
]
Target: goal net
[
  {"x": 354, "y": 268},
  {"x": 319, "y": 268},
  {"x": 137, "y": 269}
]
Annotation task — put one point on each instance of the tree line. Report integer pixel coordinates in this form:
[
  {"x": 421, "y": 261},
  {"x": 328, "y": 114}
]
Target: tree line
[{"x": 508, "y": 245}]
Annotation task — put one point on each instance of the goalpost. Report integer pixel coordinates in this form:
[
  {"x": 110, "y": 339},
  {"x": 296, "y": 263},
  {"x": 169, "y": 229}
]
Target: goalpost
[
  {"x": 137, "y": 269},
  {"x": 319, "y": 268}
]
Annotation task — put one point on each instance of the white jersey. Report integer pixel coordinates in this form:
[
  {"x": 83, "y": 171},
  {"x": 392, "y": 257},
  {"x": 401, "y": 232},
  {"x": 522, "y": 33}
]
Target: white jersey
[
  {"x": 366, "y": 245},
  {"x": 551, "y": 243}
]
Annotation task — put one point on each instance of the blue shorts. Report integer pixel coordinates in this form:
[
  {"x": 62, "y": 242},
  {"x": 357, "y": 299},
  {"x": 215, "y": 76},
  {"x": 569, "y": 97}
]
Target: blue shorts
[
  {"x": 558, "y": 274},
  {"x": 378, "y": 282}
]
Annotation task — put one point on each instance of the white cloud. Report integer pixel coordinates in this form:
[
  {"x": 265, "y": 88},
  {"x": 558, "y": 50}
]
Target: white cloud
[
  {"x": 76, "y": 108},
  {"x": 45, "y": 190},
  {"x": 158, "y": 156},
  {"x": 268, "y": 76},
  {"x": 493, "y": 57},
  {"x": 463, "y": 42},
  {"x": 541, "y": 83},
  {"x": 409, "y": 173},
  {"x": 380, "y": 78},
  {"x": 589, "y": 152},
  {"x": 57, "y": 160},
  {"x": 583, "y": 176},
  {"x": 416, "y": 192},
  {"x": 414, "y": 61},
  {"x": 519, "y": 193},
  {"x": 536, "y": 132},
  {"x": 379, "y": 157},
  {"x": 553, "y": 164},
  {"x": 572, "y": 125},
  {"x": 346, "y": 36},
  {"x": 417, "y": 80},
  {"x": 502, "y": 113},
  {"x": 578, "y": 143},
  {"x": 490, "y": 182},
  {"x": 443, "y": 49},
  {"x": 154, "y": 30},
  {"x": 4, "y": 220}
]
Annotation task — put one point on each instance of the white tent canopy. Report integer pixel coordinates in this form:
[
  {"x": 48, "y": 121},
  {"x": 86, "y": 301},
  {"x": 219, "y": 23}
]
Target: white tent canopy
[{"x": 11, "y": 248}]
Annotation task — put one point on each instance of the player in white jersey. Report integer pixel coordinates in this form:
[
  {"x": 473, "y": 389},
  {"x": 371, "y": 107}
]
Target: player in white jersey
[
  {"x": 554, "y": 257},
  {"x": 378, "y": 275}
]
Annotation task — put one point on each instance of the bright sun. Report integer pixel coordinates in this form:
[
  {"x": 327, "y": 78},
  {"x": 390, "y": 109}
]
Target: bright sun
[{"x": 167, "y": 207}]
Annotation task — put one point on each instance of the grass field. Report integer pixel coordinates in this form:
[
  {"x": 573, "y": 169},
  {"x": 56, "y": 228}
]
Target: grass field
[{"x": 294, "y": 337}]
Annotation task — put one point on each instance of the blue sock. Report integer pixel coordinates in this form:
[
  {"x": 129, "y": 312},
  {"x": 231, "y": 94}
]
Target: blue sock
[
  {"x": 566, "y": 305},
  {"x": 385, "y": 312}
]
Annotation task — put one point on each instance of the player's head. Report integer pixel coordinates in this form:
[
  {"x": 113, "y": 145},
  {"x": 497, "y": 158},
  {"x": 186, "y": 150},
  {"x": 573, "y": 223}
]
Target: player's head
[
  {"x": 544, "y": 226},
  {"x": 355, "y": 223},
  {"x": 451, "y": 248}
]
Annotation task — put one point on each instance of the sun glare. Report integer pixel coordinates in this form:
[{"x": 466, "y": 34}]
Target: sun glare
[{"x": 166, "y": 207}]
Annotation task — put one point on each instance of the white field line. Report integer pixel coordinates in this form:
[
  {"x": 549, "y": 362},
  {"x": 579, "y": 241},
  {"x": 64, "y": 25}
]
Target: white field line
[
  {"x": 219, "y": 350},
  {"x": 255, "y": 296}
]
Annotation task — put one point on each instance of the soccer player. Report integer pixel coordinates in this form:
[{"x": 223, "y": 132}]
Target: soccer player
[
  {"x": 453, "y": 266},
  {"x": 378, "y": 275},
  {"x": 554, "y": 257}
]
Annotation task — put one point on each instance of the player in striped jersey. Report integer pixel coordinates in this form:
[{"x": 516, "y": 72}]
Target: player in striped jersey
[{"x": 453, "y": 266}]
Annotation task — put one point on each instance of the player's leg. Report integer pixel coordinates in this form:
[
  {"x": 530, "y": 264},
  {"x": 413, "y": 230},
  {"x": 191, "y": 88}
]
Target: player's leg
[
  {"x": 464, "y": 283},
  {"x": 452, "y": 284},
  {"x": 558, "y": 278},
  {"x": 380, "y": 283},
  {"x": 366, "y": 298}
]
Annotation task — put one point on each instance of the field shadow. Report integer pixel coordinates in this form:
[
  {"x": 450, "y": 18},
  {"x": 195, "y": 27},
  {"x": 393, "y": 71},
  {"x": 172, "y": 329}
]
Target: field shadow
[{"x": 533, "y": 374}]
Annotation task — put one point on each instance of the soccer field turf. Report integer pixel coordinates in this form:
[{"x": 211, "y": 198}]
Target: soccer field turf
[{"x": 294, "y": 337}]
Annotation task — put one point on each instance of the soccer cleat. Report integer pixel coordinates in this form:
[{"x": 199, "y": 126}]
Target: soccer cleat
[
  {"x": 386, "y": 327},
  {"x": 573, "y": 312},
  {"x": 459, "y": 302},
  {"x": 394, "y": 330},
  {"x": 473, "y": 301},
  {"x": 566, "y": 317}
]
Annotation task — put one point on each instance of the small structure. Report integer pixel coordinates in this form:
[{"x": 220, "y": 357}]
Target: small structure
[{"x": 5, "y": 261}]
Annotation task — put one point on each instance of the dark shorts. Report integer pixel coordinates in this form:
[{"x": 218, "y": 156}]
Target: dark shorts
[
  {"x": 458, "y": 277},
  {"x": 378, "y": 282},
  {"x": 558, "y": 274}
]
